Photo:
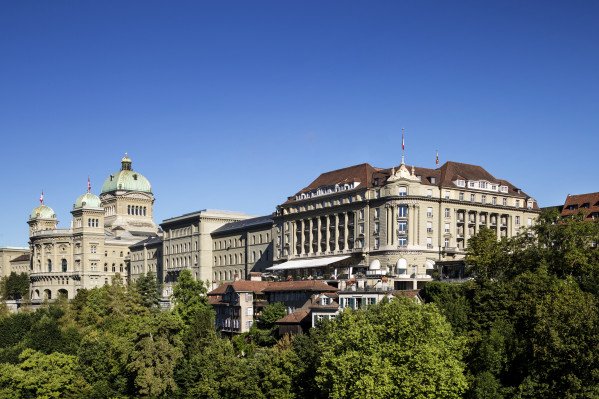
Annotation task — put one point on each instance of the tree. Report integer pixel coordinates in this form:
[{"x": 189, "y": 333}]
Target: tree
[
  {"x": 394, "y": 349},
  {"x": 15, "y": 286},
  {"x": 42, "y": 376},
  {"x": 147, "y": 287},
  {"x": 264, "y": 331},
  {"x": 189, "y": 296}
]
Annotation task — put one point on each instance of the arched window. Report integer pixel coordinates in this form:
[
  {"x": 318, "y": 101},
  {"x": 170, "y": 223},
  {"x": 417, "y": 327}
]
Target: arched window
[
  {"x": 128, "y": 209},
  {"x": 49, "y": 265},
  {"x": 64, "y": 265},
  {"x": 144, "y": 211}
]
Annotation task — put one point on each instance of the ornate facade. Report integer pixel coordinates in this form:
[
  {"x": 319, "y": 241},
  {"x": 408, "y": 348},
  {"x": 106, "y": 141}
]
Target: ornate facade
[
  {"x": 393, "y": 225},
  {"x": 95, "y": 249}
]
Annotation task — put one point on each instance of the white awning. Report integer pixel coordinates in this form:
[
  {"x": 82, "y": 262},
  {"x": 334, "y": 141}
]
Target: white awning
[{"x": 306, "y": 263}]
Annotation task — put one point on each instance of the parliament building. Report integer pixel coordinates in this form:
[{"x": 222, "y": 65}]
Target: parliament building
[{"x": 96, "y": 247}]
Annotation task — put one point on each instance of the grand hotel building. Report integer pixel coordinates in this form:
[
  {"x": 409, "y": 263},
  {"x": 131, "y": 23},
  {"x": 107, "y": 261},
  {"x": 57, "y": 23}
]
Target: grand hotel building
[{"x": 396, "y": 225}]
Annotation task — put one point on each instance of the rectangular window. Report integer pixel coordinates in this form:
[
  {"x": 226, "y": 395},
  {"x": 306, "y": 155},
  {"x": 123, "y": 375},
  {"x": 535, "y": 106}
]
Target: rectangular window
[
  {"x": 429, "y": 212},
  {"x": 472, "y": 197},
  {"x": 403, "y": 241},
  {"x": 447, "y": 227},
  {"x": 517, "y": 203},
  {"x": 361, "y": 214},
  {"x": 403, "y": 226},
  {"x": 461, "y": 196},
  {"x": 447, "y": 194},
  {"x": 529, "y": 222},
  {"x": 376, "y": 227},
  {"x": 517, "y": 220},
  {"x": 505, "y": 202},
  {"x": 446, "y": 243},
  {"x": 447, "y": 212},
  {"x": 403, "y": 191},
  {"x": 249, "y": 312},
  {"x": 429, "y": 227},
  {"x": 361, "y": 228},
  {"x": 429, "y": 242},
  {"x": 429, "y": 193},
  {"x": 483, "y": 199},
  {"x": 376, "y": 243},
  {"x": 494, "y": 200},
  {"x": 402, "y": 211},
  {"x": 377, "y": 213}
]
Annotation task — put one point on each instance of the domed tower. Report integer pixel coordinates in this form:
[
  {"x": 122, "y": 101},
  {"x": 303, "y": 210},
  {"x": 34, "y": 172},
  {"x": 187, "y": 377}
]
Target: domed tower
[
  {"x": 127, "y": 200},
  {"x": 88, "y": 235},
  {"x": 42, "y": 218}
]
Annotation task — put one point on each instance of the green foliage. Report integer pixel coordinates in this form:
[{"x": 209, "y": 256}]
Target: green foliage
[
  {"x": 15, "y": 286},
  {"x": 189, "y": 296},
  {"x": 42, "y": 376},
  {"x": 147, "y": 287},
  {"x": 395, "y": 349},
  {"x": 264, "y": 332}
]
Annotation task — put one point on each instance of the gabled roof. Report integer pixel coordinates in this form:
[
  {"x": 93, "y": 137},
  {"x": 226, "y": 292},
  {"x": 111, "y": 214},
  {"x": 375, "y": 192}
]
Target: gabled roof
[
  {"x": 589, "y": 200},
  {"x": 296, "y": 317}
]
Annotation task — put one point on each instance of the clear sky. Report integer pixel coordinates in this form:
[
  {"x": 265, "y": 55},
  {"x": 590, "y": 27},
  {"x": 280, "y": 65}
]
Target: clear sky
[{"x": 237, "y": 105}]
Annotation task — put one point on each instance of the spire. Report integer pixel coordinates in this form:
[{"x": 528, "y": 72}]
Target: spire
[
  {"x": 437, "y": 158},
  {"x": 89, "y": 185},
  {"x": 42, "y": 198}
]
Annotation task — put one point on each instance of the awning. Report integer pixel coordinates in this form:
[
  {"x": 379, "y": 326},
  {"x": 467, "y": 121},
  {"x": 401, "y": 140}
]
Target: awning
[{"x": 306, "y": 263}]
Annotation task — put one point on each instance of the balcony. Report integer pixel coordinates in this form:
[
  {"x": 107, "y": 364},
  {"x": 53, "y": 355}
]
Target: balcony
[{"x": 450, "y": 250}]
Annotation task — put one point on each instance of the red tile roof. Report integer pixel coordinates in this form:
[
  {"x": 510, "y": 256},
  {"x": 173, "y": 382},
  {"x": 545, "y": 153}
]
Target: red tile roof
[
  {"x": 370, "y": 176},
  {"x": 588, "y": 204},
  {"x": 294, "y": 318},
  {"x": 302, "y": 285},
  {"x": 362, "y": 173}
]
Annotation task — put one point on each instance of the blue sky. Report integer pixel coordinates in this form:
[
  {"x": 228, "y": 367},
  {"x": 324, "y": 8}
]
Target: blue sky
[{"x": 237, "y": 105}]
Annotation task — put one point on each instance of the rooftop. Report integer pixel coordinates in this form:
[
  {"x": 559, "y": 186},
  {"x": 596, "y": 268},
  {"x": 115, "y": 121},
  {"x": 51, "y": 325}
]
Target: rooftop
[
  {"x": 588, "y": 204},
  {"x": 260, "y": 221}
]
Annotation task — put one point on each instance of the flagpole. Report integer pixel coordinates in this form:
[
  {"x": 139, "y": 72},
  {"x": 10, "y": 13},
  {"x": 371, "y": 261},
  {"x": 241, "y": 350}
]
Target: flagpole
[{"x": 403, "y": 145}]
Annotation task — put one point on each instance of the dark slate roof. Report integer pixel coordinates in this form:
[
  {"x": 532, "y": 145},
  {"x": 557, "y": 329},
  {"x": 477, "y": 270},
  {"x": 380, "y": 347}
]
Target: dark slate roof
[
  {"x": 260, "y": 221},
  {"x": 21, "y": 258},
  {"x": 147, "y": 242}
]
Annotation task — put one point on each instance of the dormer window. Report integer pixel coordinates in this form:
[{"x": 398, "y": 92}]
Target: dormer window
[
  {"x": 461, "y": 183},
  {"x": 403, "y": 191},
  {"x": 135, "y": 176},
  {"x": 433, "y": 180}
]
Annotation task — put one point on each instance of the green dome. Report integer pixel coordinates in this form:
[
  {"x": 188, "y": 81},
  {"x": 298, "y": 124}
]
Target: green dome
[
  {"x": 88, "y": 200},
  {"x": 126, "y": 179},
  {"x": 43, "y": 212}
]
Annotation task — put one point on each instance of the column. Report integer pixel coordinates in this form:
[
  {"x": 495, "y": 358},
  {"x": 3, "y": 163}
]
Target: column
[
  {"x": 310, "y": 235},
  {"x": 336, "y": 231},
  {"x": 388, "y": 221},
  {"x": 318, "y": 234},
  {"x": 301, "y": 236},
  {"x": 394, "y": 225},
  {"x": 345, "y": 230},
  {"x": 417, "y": 223},
  {"x": 328, "y": 234},
  {"x": 292, "y": 238},
  {"x": 498, "y": 225}
]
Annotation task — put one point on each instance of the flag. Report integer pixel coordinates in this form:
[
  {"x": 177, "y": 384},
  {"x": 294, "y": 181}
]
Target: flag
[
  {"x": 403, "y": 142},
  {"x": 89, "y": 185},
  {"x": 42, "y": 198},
  {"x": 437, "y": 158}
]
